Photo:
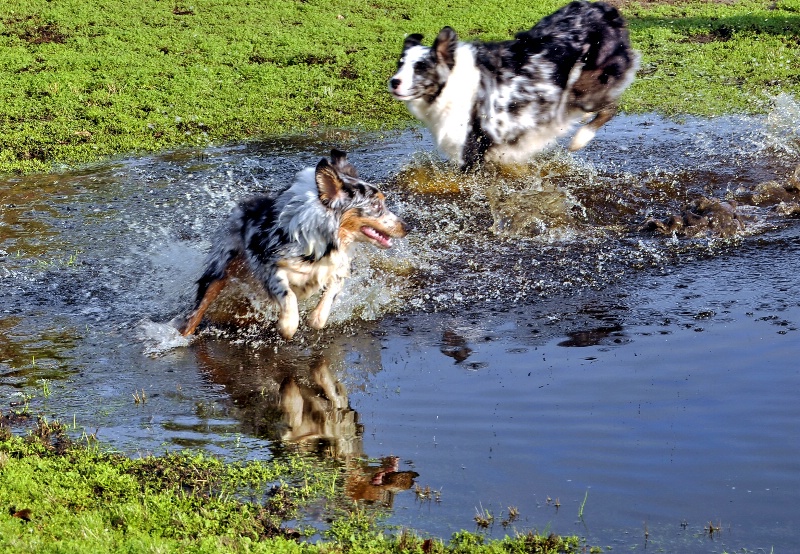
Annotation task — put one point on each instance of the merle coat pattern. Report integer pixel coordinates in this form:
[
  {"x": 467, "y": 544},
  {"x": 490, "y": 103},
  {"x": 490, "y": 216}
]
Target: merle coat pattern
[
  {"x": 297, "y": 243},
  {"x": 502, "y": 102}
]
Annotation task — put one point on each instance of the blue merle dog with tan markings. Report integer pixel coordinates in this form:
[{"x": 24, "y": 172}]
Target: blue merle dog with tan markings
[{"x": 298, "y": 242}]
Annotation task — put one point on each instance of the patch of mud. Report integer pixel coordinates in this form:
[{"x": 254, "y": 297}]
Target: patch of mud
[
  {"x": 703, "y": 217},
  {"x": 724, "y": 219},
  {"x": 33, "y": 30}
]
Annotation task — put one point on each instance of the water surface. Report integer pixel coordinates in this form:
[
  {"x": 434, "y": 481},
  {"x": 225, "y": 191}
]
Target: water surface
[{"x": 528, "y": 346}]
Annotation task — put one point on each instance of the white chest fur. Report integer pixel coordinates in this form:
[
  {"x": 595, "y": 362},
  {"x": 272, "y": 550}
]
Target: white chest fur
[
  {"x": 309, "y": 278},
  {"x": 449, "y": 116}
]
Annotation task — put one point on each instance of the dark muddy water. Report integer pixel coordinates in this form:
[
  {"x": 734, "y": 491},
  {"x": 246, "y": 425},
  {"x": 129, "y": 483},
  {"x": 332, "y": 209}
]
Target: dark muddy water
[{"x": 533, "y": 344}]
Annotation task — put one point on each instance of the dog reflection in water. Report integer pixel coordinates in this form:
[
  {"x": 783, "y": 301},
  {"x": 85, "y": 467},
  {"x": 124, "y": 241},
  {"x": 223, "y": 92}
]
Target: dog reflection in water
[
  {"x": 319, "y": 413},
  {"x": 322, "y": 415},
  {"x": 295, "y": 399}
]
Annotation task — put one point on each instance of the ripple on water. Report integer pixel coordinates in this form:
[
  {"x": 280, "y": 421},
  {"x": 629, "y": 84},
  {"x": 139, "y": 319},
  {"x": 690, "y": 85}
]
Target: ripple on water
[{"x": 571, "y": 348}]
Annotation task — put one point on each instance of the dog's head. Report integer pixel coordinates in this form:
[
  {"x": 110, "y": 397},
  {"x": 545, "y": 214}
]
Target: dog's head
[
  {"x": 361, "y": 207},
  {"x": 422, "y": 71}
]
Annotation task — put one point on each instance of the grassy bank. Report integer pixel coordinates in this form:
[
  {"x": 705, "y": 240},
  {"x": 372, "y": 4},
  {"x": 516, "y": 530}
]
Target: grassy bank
[
  {"x": 84, "y": 79},
  {"x": 60, "y": 497}
]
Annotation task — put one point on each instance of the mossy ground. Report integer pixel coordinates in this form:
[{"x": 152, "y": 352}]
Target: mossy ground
[
  {"x": 82, "y": 80},
  {"x": 56, "y": 496}
]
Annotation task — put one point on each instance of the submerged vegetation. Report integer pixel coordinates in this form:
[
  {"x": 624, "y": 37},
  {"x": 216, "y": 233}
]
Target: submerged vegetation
[
  {"x": 80, "y": 82},
  {"x": 58, "y": 496}
]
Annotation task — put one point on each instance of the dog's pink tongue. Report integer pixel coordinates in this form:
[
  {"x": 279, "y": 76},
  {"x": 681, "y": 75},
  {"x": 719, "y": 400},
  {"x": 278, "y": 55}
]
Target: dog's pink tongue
[{"x": 374, "y": 234}]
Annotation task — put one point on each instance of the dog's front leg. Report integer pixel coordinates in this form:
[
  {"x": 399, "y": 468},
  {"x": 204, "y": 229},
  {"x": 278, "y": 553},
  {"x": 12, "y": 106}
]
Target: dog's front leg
[
  {"x": 281, "y": 291},
  {"x": 588, "y": 131},
  {"x": 319, "y": 316}
]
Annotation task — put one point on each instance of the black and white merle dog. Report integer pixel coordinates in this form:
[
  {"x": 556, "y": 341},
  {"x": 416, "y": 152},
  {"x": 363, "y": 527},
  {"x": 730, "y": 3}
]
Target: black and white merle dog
[
  {"x": 502, "y": 102},
  {"x": 298, "y": 242}
]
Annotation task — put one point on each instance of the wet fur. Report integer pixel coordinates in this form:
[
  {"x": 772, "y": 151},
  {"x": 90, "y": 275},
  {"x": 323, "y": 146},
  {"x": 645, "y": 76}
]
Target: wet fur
[
  {"x": 502, "y": 102},
  {"x": 297, "y": 243}
]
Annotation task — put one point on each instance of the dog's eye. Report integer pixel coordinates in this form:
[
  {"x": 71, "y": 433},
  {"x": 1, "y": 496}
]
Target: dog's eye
[{"x": 377, "y": 206}]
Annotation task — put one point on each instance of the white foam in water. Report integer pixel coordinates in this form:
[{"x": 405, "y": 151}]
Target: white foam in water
[
  {"x": 160, "y": 338},
  {"x": 783, "y": 125}
]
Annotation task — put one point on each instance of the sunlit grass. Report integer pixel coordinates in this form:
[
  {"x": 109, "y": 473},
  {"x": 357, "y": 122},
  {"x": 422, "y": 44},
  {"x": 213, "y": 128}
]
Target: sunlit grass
[
  {"x": 81, "y": 80},
  {"x": 62, "y": 496}
]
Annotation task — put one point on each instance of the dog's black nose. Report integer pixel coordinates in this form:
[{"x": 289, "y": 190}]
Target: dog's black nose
[{"x": 394, "y": 83}]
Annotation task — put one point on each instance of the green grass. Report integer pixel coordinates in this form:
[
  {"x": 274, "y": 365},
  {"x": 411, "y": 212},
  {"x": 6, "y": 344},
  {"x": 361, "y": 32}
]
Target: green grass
[
  {"x": 82, "y": 80},
  {"x": 60, "y": 497}
]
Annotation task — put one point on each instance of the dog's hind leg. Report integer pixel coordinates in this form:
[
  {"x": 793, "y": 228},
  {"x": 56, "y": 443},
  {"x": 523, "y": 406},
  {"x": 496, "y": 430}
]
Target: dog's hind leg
[
  {"x": 212, "y": 291},
  {"x": 586, "y": 133},
  {"x": 209, "y": 286}
]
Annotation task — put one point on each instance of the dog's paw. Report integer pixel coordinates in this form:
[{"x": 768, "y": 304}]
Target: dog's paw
[
  {"x": 582, "y": 138},
  {"x": 287, "y": 326},
  {"x": 317, "y": 320}
]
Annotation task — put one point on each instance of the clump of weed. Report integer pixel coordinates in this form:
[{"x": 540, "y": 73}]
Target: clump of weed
[
  {"x": 139, "y": 398},
  {"x": 483, "y": 518},
  {"x": 549, "y": 543},
  {"x": 52, "y": 436},
  {"x": 711, "y": 528},
  {"x": 513, "y": 514},
  {"x": 426, "y": 494}
]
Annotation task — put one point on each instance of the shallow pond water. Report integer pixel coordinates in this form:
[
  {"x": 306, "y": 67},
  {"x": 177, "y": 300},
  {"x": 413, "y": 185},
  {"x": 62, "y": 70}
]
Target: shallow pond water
[{"x": 532, "y": 344}]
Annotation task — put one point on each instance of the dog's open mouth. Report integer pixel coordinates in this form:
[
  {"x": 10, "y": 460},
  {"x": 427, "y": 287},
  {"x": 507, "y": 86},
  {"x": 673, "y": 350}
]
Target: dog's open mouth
[{"x": 381, "y": 239}]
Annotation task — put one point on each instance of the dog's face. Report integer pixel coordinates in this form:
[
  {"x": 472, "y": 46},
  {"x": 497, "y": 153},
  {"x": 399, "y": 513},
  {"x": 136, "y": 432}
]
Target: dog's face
[
  {"x": 423, "y": 71},
  {"x": 363, "y": 216}
]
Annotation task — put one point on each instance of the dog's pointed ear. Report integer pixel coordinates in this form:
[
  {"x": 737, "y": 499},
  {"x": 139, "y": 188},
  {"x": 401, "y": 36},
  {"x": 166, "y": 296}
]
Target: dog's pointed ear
[
  {"x": 329, "y": 184},
  {"x": 338, "y": 157},
  {"x": 412, "y": 40},
  {"x": 445, "y": 45},
  {"x": 341, "y": 163}
]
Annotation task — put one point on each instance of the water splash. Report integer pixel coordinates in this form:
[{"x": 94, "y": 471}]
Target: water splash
[
  {"x": 782, "y": 125},
  {"x": 159, "y": 338},
  {"x": 561, "y": 223}
]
